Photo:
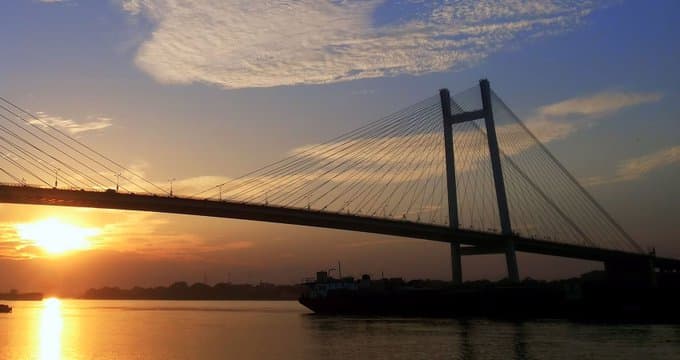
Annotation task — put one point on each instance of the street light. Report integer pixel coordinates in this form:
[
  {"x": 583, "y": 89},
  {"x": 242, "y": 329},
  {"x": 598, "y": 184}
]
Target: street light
[{"x": 171, "y": 180}]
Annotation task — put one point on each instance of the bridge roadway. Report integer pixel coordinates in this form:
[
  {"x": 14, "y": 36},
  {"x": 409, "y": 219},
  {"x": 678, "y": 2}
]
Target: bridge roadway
[{"x": 479, "y": 242}]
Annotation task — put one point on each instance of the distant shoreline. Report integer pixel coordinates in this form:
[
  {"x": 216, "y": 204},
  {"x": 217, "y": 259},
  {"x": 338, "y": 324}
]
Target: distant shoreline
[
  {"x": 198, "y": 291},
  {"x": 124, "y": 299},
  {"x": 17, "y": 296}
]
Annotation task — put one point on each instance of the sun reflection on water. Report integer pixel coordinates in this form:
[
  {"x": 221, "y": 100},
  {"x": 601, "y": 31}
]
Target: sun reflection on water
[{"x": 51, "y": 324}]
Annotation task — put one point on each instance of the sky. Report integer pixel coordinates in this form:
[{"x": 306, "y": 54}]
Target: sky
[{"x": 206, "y": 90}]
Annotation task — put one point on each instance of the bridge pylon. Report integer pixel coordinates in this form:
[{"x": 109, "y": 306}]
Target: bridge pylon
[
  {"x": 456, "y": 265},
  {"x": 449, "y": 119}
]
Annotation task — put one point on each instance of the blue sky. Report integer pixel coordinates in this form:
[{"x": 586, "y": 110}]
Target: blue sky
[{"x": 216, "y": 89}]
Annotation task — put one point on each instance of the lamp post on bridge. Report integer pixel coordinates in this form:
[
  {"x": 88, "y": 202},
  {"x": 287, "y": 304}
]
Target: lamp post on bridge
[{"x": 171, "y": 180}]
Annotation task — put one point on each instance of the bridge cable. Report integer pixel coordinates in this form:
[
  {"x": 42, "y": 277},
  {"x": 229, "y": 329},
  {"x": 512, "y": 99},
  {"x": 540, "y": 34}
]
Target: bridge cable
[
  {"x": 611, "y": 220},
  {"x": 299, "y": 165},
  {"x": 75, "y": 171},
  {"x": 410, "y": 156},
  {"x": 541, "y": 193},
  {"x": 23, "y": 168},
  {"x": 12, "y": 176},
  {"x": 370, "y": 196},
  {"x": 70, "y": 156},
  {"x": 388, "y": 140},
  {"x": 295, "y": 157},
  {"x": 125, "y": 169},
  {"x": 379, "y": 137},
  {"x": 35, "y": 161}
]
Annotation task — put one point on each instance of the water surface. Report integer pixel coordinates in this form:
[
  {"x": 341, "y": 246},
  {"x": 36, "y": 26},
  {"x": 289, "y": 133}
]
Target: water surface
[{"x": 98, "y": 329}]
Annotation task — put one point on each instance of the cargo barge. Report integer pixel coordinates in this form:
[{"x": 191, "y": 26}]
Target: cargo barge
[{"x": 581, "y": 301}]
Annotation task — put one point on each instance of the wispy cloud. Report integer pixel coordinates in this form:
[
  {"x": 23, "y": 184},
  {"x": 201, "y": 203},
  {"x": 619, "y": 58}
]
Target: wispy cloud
[
  {"x": 637, "y": 168},
  {"x": 599, "y": 104},
  {"x": 244, "y": 43},
  {"x": 559, "y": 120},
  {"x": 92, "y": 124}
]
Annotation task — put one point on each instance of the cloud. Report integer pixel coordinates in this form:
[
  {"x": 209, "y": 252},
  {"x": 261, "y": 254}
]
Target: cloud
[
  {"x": 559, "y": 120},
  {"x": 52, "y": 1},
  {"x": 637, "y": 168},
  {"x": 93, "y": 124},
  {"x": 599, "y": 104},
  {"x": 244, "y": 43}
]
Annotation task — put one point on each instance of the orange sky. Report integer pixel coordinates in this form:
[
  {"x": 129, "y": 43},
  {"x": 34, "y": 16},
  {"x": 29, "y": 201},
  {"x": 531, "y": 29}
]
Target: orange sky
[
  {"x": 174, "y": 90},
  {"x": 136, "y": 248}
]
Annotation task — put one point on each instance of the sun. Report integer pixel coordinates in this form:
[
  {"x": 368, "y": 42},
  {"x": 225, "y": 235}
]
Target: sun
[{"x": 57, "y": 237}]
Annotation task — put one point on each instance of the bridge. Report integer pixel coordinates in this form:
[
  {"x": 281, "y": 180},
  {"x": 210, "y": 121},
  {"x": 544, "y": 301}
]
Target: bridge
[{"x": 459, "y": 169}]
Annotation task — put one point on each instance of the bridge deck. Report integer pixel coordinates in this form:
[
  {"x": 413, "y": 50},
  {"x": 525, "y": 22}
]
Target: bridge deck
[{"x": 234, "y": 210}]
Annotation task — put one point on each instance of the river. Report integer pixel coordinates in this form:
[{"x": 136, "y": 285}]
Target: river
[{"x": 102, "y": 329}]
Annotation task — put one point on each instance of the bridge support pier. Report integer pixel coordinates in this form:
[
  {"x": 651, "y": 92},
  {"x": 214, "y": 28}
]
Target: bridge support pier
[
  {"x": 511, "y": 261},
  {"x": 456, "y": 264}
]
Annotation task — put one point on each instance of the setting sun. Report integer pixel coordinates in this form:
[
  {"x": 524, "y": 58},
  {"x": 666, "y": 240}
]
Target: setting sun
[{"x": 55, "y": 236}]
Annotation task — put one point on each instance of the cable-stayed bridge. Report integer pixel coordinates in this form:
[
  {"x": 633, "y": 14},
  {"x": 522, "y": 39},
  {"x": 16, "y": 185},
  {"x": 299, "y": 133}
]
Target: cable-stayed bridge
[{"x": 459, "y": 169}]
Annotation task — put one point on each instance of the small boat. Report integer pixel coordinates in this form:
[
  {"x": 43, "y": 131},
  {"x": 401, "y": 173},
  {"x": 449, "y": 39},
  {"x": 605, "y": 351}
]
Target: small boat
[{"x": 5, "y": 308}]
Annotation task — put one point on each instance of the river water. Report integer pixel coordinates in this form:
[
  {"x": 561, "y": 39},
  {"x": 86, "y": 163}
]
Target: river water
[{"x": 91, "y": 329}]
